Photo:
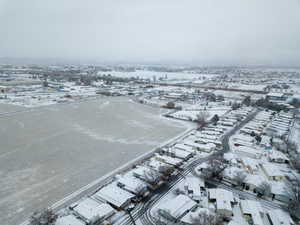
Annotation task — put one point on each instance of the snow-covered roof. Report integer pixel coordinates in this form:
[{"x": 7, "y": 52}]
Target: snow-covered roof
[
  {"x": 248, "y": 151},
  {"x": 69, "y": 220},
  {"x": 255, "y": 179},
  {"x": 92, "y": 210},
  {"x": 250, "y": 163},
  {"x": 275, "y": 155},
  {"x": 190, "y": 216},
  {"x": 223, "y": 198},
  {"x": 275, "y": 94},
  {"x": 178, "y": 205},
  {"x": 184, "y": 147},
  {"x": 114, "y": 195},
  {"x": 156, "y": 164},
  {"x": 272, "y": 170},
  {"x": 242, "y": 137},
  {"x": 193, "y": 183},
  {"x": 254, "y": 209},
  {"x": 180, "y": 153},
  {"x": 131, "y": 182},
  {"x": 168, "y": 159},
  {"x": 279, "y": 217}
]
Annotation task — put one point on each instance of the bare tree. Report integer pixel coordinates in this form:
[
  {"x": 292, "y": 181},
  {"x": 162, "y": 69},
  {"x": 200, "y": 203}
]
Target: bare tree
[
  {"x": 202, "y": 117},
  {"x": 293, "y": 194},
  {"x": 264, "y": 189},
  {"x": 240, "y": 178},
  {"x": 44, "y": 217},
  {"x": 215, "y": 119},
  {"x": 165, "y": 214},
  {"x": 165, "y": 170},
  {"x": 159, "y": 220},
  {"x": 204, "y": 218},
  {"x": 178, "y": 191},
  {"x": 151, "y": 176},
  {"x": 295, "y": 161},
  {"x": 291, "y": 146},
  {"x": 216, "y": 165}
]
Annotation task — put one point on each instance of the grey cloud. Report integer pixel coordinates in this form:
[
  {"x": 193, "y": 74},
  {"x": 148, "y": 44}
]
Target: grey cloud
[{"x": 204, "y": 32}]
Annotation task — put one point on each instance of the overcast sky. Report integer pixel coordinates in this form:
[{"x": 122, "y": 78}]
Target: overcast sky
[{"x": 204, "y": 32}]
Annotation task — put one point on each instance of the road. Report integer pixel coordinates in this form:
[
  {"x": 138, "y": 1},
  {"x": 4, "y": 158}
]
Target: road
[{"x": 142, "y": 210}]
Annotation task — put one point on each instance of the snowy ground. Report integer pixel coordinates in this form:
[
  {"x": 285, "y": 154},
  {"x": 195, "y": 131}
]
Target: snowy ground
[
  {"x": 49, "y": 152},
  {"x": 150, "y": 74},
  {"x": 187, "y": 115}
]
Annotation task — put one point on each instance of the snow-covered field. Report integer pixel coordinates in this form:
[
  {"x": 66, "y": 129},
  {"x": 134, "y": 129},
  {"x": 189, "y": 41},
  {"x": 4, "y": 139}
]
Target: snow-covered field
[
  {"x": 49, "y": 152},
  {"x": 183, "y": 76},
  {"x": 192, "y": 115}
]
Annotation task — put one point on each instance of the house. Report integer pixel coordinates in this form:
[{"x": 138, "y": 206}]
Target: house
[
  {"x": 278, "y": 157},
  {"x": 114, "y": 195},
  {"x": 231, "y": 158},
  {"x": 252, "y": 212},
  {"x": 169, "y": 160},
  {"x": 132, "y": 184},
  {"x": 189, "y": 218},
  {"x": 230, "y": 173},
  {"x": 276, "y": 96},
  {"x": 92, "y": 211},
  {"x": 69, "y": 220},
  {"x": 226, "y": 123},
  {"x": 184, "y": 147},
  {"x": 272, "y": 171},
  {"x": 201, "y": 147},
  {"x": 279, "y": 217},
  {"x": 148, "y": 175},
  {"x": 194, "y": 187},
  {"x": 217, "y": 143},
  {"x": 247, "y": 151},
  {"x": 178, "y": 206},
  {"x": 178, "y": 153},
  {"x": 207, "y": 136},
  {"x": 161, "y": 167},
  {"x": 253, "y": 181},
  {"x": 250, "y": 164},
  {"x": 223, "y": 199}
]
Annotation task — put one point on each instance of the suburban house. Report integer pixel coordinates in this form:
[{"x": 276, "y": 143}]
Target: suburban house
[
  {"x": 279, "y": 217},
  {"x": 92, "y": 211},
  {"x": 252, "y": 212},
  {"x": 278, "y": 157},
  {"x": 201, "y": 147},
  {"x": 69, "y": 220},
  {"x": 132, "y": 184},
  {"x": 178, "y": 206},
  {"x": 272, "y": 171},
  {"x": 148, "y": 175},
  {"x": 223, "y": 200},
  {"x": 194, "y": 187},
  {"x": 114, "y": 195}
]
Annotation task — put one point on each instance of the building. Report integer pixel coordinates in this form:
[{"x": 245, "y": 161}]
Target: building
[
  {"x": 272, "y": 171},
  {"x": 194, "y": 187},
  {"x": 114, "y": 195},
  {"x": 132, "y": 184},
  {"x": 69, "y": 220},
  {"x": 252, "y": 212},
  {"x": 223, "y": 199},
  {"x": 278, "y": 157},
  {"x": 276, "y": 96},
  {"x": 91, "y": 211},
  {"x": 178, "y": 206},
  {"x": 279, "y": 217}
]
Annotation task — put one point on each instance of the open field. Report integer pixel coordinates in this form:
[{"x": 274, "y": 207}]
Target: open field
[{"x": 49, "y": 152}]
